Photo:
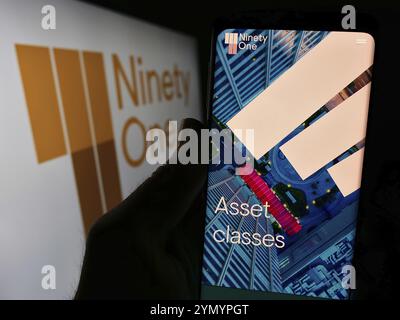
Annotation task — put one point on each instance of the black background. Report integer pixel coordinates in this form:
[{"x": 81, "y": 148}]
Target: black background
[{"x": 378, "y": 235}]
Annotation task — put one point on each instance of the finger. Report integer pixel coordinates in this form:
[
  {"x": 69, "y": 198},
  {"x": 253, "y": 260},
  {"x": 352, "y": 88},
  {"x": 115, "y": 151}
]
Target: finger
[{"x": 164, "y": 199}]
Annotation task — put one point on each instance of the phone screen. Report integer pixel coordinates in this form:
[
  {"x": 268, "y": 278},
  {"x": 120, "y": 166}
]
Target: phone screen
[{"x": 286, "y": 223}]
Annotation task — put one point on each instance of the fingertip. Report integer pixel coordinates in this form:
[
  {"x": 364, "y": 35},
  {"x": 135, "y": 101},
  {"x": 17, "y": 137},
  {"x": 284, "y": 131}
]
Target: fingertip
[{"x": 191, "y": 123}]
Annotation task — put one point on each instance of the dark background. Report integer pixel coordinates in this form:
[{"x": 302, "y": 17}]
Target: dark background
[{"x": 378, "y": 235}]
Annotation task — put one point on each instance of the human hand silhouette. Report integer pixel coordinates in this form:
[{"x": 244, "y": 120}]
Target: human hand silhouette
[
  {"x": 378, "y": 242},
  {"x": 149, "y": 246}
]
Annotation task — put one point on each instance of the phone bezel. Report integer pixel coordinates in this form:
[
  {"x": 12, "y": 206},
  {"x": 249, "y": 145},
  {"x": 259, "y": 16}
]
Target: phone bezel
[{"x": 280, "y": 20}]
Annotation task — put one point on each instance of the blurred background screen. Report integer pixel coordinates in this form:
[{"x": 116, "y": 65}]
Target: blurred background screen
[{"x": 76, "y": 103}]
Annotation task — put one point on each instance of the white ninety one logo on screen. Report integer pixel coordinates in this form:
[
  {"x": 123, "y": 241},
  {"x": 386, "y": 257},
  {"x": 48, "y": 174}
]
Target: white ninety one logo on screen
[{"x": 242, "y": 41}]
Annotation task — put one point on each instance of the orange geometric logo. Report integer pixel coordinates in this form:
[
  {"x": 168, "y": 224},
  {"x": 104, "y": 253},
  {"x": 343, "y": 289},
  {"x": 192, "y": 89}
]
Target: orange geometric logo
[
  {"x": 68, "y": 105},
  {"x": 231, "y": 39}
]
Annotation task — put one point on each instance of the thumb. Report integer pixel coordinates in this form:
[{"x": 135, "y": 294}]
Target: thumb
[{"x": 164, "y": 199}]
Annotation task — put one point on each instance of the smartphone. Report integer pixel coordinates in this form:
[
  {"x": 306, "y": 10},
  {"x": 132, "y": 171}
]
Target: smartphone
[{"x": 287, "y": 227}]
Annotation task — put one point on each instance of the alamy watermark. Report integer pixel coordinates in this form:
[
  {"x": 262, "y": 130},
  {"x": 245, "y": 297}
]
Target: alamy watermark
[
  {"x": 349, "y": 277},
  {"x": 49, "y": 17},
  {"x": 49, "y": 277},
  {"x": 349, "y": 20},
  {"x": 211, "y": 146}
]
